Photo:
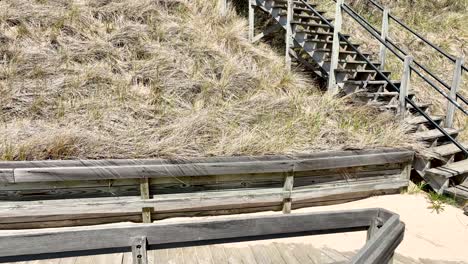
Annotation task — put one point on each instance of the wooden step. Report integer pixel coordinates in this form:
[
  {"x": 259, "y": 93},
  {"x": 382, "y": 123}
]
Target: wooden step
[
  {"x": 309, "y": 25},
  {"x": 393, "y": 107},
  {"x": 434, "y": 133},
  {"x": 460, "y": 194},
  {"x": 344, "y": 52},
  {"x": 448, "y": 149},
  {"x": 381, "y": 94},
  {"x": 450, "y": 170},
  {"x": 421, "y": 120}
]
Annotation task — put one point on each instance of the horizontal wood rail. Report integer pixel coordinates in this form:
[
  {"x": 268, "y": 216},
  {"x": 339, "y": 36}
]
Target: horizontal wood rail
[
  {"x": 72, "y": 241},
  {"x": 43, "y": 194},
  {"x": 167, "y": 168}
]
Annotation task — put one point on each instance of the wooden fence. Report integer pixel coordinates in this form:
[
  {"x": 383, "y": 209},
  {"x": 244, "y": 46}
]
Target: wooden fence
[{"x": 68, "y": 193}]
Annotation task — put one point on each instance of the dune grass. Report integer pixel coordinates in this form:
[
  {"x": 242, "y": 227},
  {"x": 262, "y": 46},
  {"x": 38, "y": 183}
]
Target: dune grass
[{"x": 134, "y": 79}]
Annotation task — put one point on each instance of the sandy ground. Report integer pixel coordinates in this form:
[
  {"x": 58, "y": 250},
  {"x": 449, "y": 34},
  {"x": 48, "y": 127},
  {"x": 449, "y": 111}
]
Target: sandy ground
[{"x": 428, "y": 236}]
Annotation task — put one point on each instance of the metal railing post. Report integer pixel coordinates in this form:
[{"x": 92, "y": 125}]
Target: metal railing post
[
  {"x": 453, "y": 92},
  {"x": 405, "y": 85},
  {"x": 288, "y": 34},
  {"x": 251, "y": 20},
  {"x": 384, "y": 35},
  {"x": 332, "y": 86}
]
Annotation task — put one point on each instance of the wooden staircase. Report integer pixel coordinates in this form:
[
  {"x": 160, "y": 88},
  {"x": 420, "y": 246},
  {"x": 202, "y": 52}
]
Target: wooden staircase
[{"x": 443, "y": 165}]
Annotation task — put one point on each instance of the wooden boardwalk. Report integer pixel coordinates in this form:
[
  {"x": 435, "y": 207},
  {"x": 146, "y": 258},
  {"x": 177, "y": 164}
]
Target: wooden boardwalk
[{"x": 241, "y": 253}]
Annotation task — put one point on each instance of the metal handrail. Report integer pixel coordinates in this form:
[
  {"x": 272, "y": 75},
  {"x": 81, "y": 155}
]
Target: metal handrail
[
  {"x": 445, "y": 54},
  {"x": 360, "y": 19},
  {"x": 458, "y": 95},
  {"x": 407, "y": 99}
]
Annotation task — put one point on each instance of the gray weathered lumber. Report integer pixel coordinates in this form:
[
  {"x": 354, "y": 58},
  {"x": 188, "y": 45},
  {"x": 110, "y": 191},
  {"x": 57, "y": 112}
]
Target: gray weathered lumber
[
  {"x": 384, "y": 36},
  {"x": 450, "y": 170},
  {"x": 405, "y": 86},
  {"x": 287, "y": 191},
  {"x": 456, "y": 81},
  {"x": 139, "y": 253},
  {"x": 380, "y": 248},
  {"x": 335, "y": 51},
  {"x": 25, "y": 242},
  {"x": 13, "y": 212},
  {"x": 433, "y": 134},
  {"x": 122, "y": 162},
  {"x": 6, "y": 175},
  {"x": 204, "y": 169}
]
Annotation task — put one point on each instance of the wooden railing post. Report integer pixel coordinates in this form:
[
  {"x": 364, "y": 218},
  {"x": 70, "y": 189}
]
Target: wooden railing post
[
  {"x": 332, "y": 86},
  {"x": 384, "y": 36},
  {"x": 223, "y": 7},
  {"x": 453, "y": 92},
  {"x": 287, "y": 191},
  {"x": 405, "y": 86},
  {"x": 251, "y": 20},
  {"x": 145, "y": 194},
  {"x": 139, "y": 250},
  {"x": 288, "y": 34}
]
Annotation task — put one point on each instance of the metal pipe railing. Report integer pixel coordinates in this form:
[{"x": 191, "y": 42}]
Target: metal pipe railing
[
  {"x": 364, "y": 23},
  {"x": 445, "y": 54},
  {"x": 458, "y": 95},
  {"x": 407, "y": 99}
]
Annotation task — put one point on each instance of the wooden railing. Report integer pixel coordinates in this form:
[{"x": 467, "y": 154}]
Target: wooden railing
[
  {"x": 66, "y": 193},
  {"x": 385, "y": 232}
]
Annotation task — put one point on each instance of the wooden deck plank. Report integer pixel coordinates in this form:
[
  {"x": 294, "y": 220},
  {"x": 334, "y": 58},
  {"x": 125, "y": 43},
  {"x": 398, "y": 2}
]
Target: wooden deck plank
[
  {"x": 233, "y": 256},
  {"x": 217, "y": 253},
  {"x": 127, "y": 258},
  {"x": 190, "y": 255},
  {"x": 316, "y": 255},
  {"x": 204, "y": 255},
  {"x": 160, "y": 256},
  {"x": 85, "y": 260},
  {"x": 286, "y": 252},
  {"x": 247, "y": 255},
  {"x": 107, "y": 258},
  {"x": 335, "y": 255},
  {"x": 70, "y": 260},
  {"x": 175, "y": 255},
  {"x": 274, "y": 254},
  {"x": 260, "y": 253}
]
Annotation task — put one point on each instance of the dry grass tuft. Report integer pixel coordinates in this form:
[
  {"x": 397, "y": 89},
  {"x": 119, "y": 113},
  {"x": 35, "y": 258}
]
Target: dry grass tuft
[{"x": 132, "y": 79}]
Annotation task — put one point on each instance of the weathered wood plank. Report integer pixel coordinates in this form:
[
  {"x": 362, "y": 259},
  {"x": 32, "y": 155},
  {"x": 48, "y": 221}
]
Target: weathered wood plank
[
  {"x": 286, "y": 252},
  {"x": 149, "y": 171},
  {"x": 450, "y": 170},
  {"x": 217, "y": 252},
  {"x": 205, "y": 169},
  {"x": 380, "y": 248},
  {"x": 170, "y": 185},
  {"x": 6, "y": 175},
  {"x": 22, "y": 211},
  {"x": 96, "y": 237},
  {"x": 204, "y": 255}
]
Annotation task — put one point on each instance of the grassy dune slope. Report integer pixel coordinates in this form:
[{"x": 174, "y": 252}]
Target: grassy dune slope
[
  {"x": 129, "y": 79},
  {"x": 443, "y": 22}
]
